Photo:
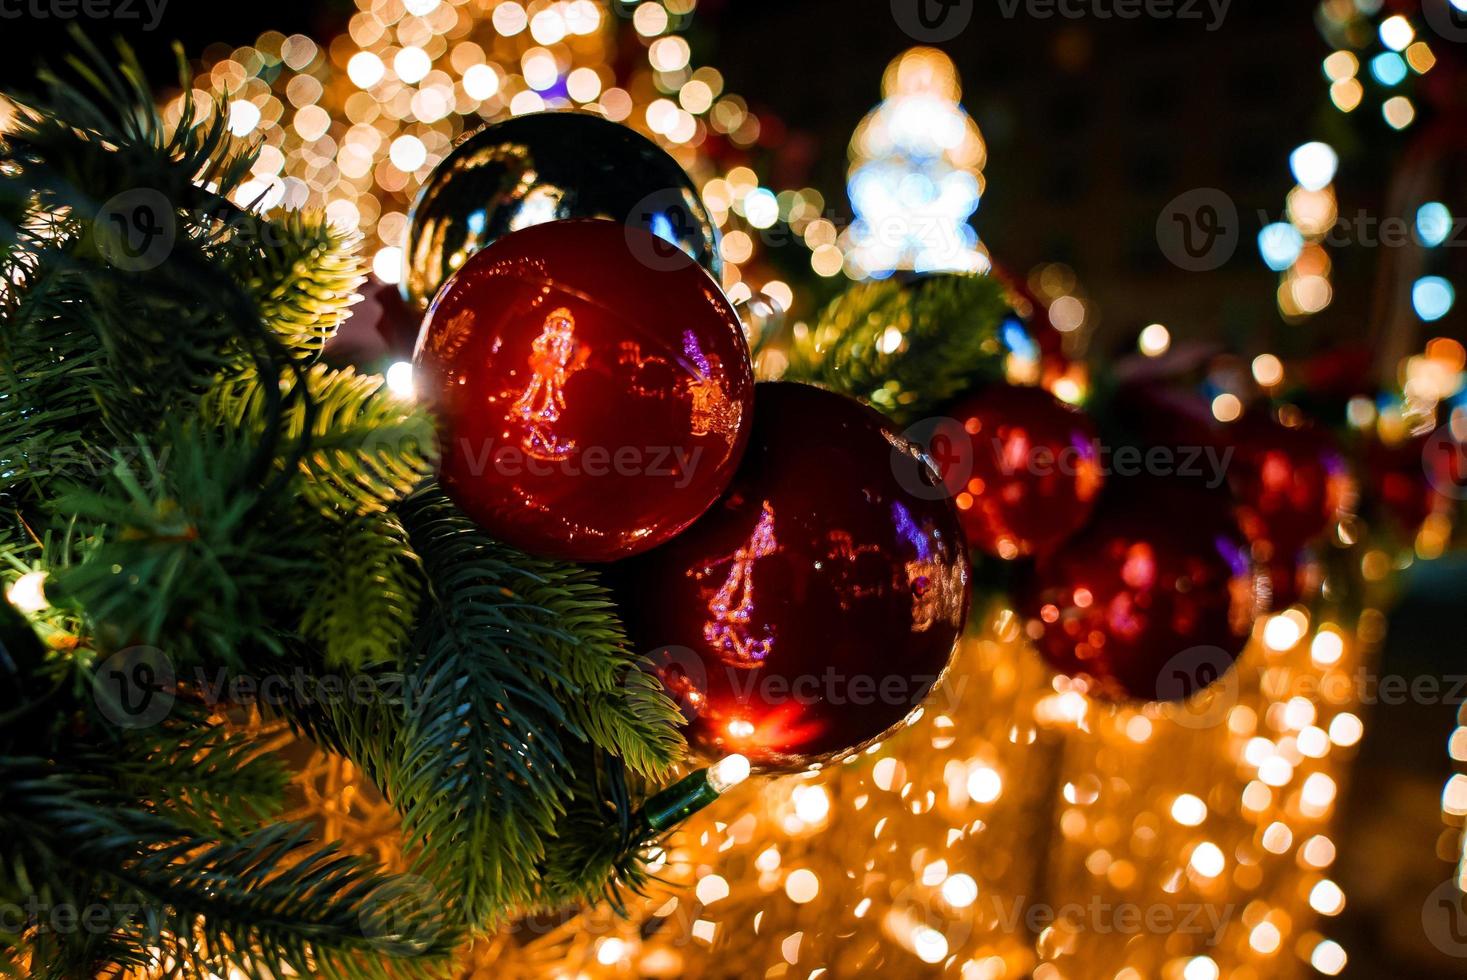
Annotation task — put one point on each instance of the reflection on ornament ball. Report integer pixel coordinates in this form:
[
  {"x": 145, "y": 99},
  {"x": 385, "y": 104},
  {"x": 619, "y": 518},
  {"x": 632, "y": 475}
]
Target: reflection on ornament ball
[
  {"x": 589, "y": 406},
  {"x": 813, "y": 607},
  {"x": 762, "y": 317},
  {"x": 550, "y": 166}
]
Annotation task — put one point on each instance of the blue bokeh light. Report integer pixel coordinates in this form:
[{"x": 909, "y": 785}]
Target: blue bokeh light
[
  {"x": 1433, "y": 297},
  {"x": 1280, "y": 244}
]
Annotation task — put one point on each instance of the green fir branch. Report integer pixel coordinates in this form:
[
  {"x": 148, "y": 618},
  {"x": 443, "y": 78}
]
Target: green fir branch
[
  {"x": 905, "y": 348},
  {"x": 520, "y": 669},
  {"x": 190, "y": 563},
  {"x": 358, "y": 449},
  {"x": 270, "y": 899},
  {"x": 190, "y": 478},
  {"x": 303, "y": 273},
  {"x": 366, "y": 604}
]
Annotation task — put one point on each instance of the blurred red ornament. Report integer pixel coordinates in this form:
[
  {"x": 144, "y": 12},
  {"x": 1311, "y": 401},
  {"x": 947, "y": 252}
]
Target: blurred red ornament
[
  {"x": 1027, "y": 472},
  {"x": 1291, "y": 484},
  {"x": 593, "y": 394},
  {"x": 815, "y": 605},
  {"x": 1152, "y": 601},
  {"x": 1417, "y": 477}
]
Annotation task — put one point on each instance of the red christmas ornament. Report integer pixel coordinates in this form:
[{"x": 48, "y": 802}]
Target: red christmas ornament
[
  {"x": 590, "y": 405},
  {"x": 1290, "y": 484},
  {"x": 1152, "y": 601},
  {"x": 1407, "y": 479},
  {"x": 1027, "y": 472},
  {"x": 815, "y": 605}
]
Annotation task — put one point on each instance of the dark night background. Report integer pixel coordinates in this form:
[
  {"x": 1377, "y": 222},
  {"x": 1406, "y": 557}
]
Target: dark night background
[{"x": 1092, "y": 126}]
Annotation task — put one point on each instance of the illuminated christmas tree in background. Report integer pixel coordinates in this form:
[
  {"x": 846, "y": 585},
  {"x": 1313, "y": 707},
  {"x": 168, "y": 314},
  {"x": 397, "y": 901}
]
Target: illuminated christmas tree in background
[{"x": 916, "y": 175}]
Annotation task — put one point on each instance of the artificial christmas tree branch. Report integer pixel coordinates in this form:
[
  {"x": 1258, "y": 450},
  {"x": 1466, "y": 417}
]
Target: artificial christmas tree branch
[
  {"x": 906, "y": 349},
  {"x": 178, "y": 472}
]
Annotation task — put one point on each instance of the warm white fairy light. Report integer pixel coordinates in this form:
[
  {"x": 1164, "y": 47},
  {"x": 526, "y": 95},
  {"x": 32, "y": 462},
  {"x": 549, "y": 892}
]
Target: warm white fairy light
[
  {"x": 1155, "y": 340},
  {"x": 728, "y": 772},
  {"x": 28, "y": 593},
  {"x": 400, "y": 379}
]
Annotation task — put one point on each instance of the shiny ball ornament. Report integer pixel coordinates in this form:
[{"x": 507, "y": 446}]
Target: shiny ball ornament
[
  {"x": 1025, "y": 472},
  {"x": 810, "y": 611},
  {"x": 1290, "y": 483},
  {"x": 1405, "y": 479},
  {"x": 589, "y": 407},
  {"x": 551, "y": 166},
  {"x": 1152, "y": 601}
]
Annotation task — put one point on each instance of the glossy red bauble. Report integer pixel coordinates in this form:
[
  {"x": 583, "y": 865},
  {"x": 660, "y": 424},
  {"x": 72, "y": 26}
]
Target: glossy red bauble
[
  {"x": 1290, "y": 483},
  {"x": 1028, "y": 473},
  {"x": 1416, "y": 477},
  {"x": 818, "y": 601},
  {"x": 1153, "y": 600},
  {"x": 590, "y": 406}
]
